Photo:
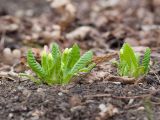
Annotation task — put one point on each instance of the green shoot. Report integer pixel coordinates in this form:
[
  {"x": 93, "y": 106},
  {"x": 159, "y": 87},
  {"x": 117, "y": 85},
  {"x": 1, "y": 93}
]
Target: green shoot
[
  {"x": 60, "y": 68},
  {"x": 130, "y": 64}
]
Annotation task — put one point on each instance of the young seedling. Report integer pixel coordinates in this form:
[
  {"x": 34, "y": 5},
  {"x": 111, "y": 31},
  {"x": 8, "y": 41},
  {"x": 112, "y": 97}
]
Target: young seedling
[
  {"x": 130, "y": 64},
  {"x": 57, "y": 67}
]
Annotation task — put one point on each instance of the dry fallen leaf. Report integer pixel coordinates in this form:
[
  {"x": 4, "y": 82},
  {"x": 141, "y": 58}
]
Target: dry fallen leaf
[
  {"x": 11, "y": 57},
  {"x": 104, "y": 58},
  {"x": 79, "y": 33},
  {"x": 67, "y": 11}
]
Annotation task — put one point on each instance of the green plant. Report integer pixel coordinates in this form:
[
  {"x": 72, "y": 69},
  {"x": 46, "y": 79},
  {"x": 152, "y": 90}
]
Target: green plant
[
  {"x": 57, "y": 67},
  {"x": 130, "y": 64}
]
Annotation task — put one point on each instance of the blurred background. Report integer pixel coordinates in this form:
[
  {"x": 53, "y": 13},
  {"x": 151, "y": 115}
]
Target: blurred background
[{"x": 101, "y": 25}]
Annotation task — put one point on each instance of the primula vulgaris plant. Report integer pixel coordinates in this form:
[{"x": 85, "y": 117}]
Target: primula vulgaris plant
[
  {"x": 130, "y": 64},
  {"x": 57, "y": 67}
]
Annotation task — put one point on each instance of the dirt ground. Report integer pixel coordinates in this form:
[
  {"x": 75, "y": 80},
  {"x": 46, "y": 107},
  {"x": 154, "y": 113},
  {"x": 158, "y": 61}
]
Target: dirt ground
[{"x": 100, "y": 25}]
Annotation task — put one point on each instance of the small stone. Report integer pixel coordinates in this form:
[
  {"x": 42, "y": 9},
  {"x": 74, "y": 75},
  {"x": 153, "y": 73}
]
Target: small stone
[
  {"x": 36, "y": 114},
  {"x": 10, "y": 115},
  {"x": 102, "y": 107},
  {"x": 26, "y": 92},
  {"x": 60, "y": 93},
  {"x": 107, "y": 111},
  {"x": 41, "y": 92},
  {"x": 7, "y": 52},
  {"x": 141, "y": 108},
  {"x": 76, "y": 108},
  {"x": 20, "y": 88},
  {"x": 16, "y": 53},
  {"x": 79, "y": 33},
  {"x": 56, "y": 35},
  {"x": 56, "y": 27}
]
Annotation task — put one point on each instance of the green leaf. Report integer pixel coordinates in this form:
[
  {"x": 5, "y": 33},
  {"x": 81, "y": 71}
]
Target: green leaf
[
  {"x": 73, "y": 56},
  {"x": 146, "y": 60},
  {"x": 140, "y": 71},
  {"x": 138, "y": 58},
  {"x": 128, "y": 61},
  {"x": 57, "y": 70},
  {"x": 82, "y": 62},
  {"x": 65, "y": 57},
  {"x": 129, "y": 64},
  {"x": 129, "y": 56},
  {"x": 54, "y": 65},
  {"x": 34, "y": 65},
  {"x": 88, "y": 68},
  {"x": 44, "y": 60},
  {"x": 37, "y": 81},
  {"x": 55, "y": 51}
]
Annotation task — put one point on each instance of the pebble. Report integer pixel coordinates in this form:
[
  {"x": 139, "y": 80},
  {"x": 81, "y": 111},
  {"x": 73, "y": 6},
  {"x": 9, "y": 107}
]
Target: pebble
[
  {"x": 102, "y": 107},
  {"x": 79, "y": 33},
  {"x": 26, "y": 92},
  {"x": 10, "y": 115},
  {"x": 60, "y": 94},
  {"x": 10, "y": 57}
]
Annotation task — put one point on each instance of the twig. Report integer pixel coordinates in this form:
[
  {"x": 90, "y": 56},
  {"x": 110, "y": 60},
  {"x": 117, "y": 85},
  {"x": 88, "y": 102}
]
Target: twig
[
  {"x": 122, "y": 97},
  {"x": 9, "y": 75},
  {"x": 107, "y": 57},
  {"x": 5, "y": 67},
  {"x": 124, "y": 80},
  {"x": 97, "y": 95},
  {"x": 117, "y": 97},
  {"x": 2, "y": 41},
  {"x": 132, "y": 106}
]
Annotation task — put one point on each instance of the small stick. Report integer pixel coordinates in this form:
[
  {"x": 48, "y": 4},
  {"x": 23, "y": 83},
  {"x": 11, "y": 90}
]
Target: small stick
[
  {"x": 124, "y": 80},
  {"x": 105, "y": 58},
  {"x": 122, "y": 97}
]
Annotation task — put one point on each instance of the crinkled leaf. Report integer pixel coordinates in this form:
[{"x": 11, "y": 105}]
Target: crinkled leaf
[
  {"x": 65, "y": 57},
  {"x": 146, "y": 60},
  {"x": 88, "y": 68},
  {"x": 73, "y": 56},
  {"x": 129, "y": 64},
  {"x": 34, "y": 65},
  {"x": 55, "y": 51},
  {"x": 59, "y": 68},
  {"x": 82, "y": 62}
]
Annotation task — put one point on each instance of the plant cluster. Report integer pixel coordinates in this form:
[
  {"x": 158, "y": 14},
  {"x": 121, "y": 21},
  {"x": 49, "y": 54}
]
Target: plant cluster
[
  {"x": 60, "y": 67},
  {"x": 57, "y": 67},
  {"x": 130, "y": 63}
]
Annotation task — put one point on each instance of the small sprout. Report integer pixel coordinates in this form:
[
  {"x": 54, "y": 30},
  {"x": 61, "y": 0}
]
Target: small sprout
[
  {"x": 57, "y": 67},
  {"x": 130, "y": 64}
]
